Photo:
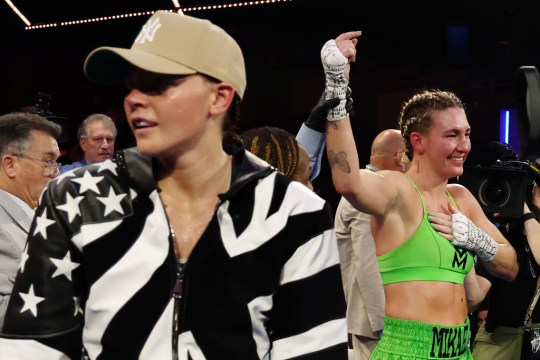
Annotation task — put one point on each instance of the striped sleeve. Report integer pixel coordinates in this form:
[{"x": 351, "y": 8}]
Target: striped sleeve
[{"x": 309, "y": 305}]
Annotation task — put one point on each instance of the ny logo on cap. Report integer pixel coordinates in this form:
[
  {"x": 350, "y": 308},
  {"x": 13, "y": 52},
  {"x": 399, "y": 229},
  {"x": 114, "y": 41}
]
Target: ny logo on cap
[{"x": 148, "y": 31}]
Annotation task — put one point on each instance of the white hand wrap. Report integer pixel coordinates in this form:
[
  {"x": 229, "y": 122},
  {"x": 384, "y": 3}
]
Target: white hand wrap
[
  {"x": 470, "y": 237},
  {"x": 334, "y": 64}
]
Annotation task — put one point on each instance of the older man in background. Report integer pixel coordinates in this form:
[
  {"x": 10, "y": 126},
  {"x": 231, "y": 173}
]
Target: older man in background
[
  {"x": 28, "y": 152},
  {"x": 97, "y": 136}
]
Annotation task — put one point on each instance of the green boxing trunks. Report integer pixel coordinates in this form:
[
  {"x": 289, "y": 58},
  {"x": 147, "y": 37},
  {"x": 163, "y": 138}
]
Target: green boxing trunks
[{"x": 413, "y": 340}]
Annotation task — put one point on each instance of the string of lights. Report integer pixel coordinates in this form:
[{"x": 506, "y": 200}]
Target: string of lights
[{"x": 178, "y": 8}]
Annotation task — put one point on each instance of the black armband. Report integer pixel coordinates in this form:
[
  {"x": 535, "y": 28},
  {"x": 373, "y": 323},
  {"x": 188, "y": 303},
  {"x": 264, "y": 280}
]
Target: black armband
[{"x": 527, "y": 216}]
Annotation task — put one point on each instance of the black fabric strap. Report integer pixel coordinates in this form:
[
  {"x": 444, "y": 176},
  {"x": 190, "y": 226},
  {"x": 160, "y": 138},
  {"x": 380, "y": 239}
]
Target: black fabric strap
[{"x": 527, "y": 216}]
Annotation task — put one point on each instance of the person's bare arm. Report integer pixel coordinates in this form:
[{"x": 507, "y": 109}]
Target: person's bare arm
[
  {"x": 476, "y": 289},
  {"x": 531, "y": 227},
  {"x": 368, "y": 192}
]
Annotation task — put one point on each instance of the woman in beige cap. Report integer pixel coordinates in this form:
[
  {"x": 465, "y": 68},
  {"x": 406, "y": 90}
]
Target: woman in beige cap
[{"x": 180, "y": 248}]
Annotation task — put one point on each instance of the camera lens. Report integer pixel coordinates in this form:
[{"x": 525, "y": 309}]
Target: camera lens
[{"x": 494, "y": 193}]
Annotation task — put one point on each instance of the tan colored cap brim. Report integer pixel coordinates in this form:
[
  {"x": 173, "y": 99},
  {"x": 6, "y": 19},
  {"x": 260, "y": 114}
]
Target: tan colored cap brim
[{"x": 108, "y": 65}]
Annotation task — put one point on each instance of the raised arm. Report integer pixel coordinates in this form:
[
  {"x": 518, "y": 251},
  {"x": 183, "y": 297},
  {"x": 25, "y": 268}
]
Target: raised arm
[
  {"x": 340, "y": 144},
  {"x": 311, "y": 134}
]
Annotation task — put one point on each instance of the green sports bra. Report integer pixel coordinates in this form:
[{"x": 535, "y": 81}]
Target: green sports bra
[{"x": 425, "y": 256}]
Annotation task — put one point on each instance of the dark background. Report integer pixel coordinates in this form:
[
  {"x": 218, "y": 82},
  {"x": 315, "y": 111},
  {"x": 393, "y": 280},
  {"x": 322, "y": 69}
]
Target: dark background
[{"x": 471, "y": 47}]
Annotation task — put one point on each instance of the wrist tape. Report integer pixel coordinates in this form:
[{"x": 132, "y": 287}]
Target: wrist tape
[
  {"x": 470, "y": 237},
  {"x": 334, "y": 64}
]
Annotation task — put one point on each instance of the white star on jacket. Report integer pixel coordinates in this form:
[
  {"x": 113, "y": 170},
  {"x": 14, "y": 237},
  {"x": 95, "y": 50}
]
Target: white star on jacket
[
  {"x": 71, "y": 206},
  {"x": 112, "y": 202},
  {"x": 107, "y": 165},
  {"x": 42, "y": 222},
  {"x": 64, "y": 266},
  {"x": 30, "y": 301},
  {"x": 88, "y": 182}
]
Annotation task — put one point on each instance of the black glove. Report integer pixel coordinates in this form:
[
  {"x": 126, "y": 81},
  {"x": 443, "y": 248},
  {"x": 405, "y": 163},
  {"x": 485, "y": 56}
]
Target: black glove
[{"x": 317, "y": 117}]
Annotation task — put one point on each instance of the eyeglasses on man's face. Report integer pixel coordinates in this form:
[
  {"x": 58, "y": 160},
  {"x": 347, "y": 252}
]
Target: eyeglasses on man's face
[{"x": 53, "y": 166}]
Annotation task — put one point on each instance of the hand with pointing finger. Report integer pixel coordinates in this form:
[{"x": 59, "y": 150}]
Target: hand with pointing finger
[{"x": 335, "y": 56}]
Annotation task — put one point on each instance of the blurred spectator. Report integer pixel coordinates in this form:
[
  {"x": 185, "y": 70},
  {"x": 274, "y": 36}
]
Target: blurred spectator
[{"x": 97, "y": 136}]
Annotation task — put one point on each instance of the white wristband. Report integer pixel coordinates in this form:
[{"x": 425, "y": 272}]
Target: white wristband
[
  {"x": 334, "y": 64},
  {"x": 470, "y": 237}
]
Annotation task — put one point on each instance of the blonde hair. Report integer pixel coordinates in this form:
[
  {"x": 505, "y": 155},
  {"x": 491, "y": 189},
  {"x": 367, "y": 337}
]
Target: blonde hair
[{"x": 415, "y": 114}]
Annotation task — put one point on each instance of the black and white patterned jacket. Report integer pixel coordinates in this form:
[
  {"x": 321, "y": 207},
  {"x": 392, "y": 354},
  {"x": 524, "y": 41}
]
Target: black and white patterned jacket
[{"x": 99, "y": 272}]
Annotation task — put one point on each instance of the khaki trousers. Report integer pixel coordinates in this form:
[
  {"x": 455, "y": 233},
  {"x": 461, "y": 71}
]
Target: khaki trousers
[{"x": 363, "y": 346}]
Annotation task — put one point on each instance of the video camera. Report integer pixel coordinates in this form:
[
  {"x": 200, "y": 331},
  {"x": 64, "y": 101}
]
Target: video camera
[{"x": 504, "y": 186}]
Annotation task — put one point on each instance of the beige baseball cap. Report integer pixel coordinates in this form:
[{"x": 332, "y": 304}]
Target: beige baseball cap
[{"x": 173, "y": 44}]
